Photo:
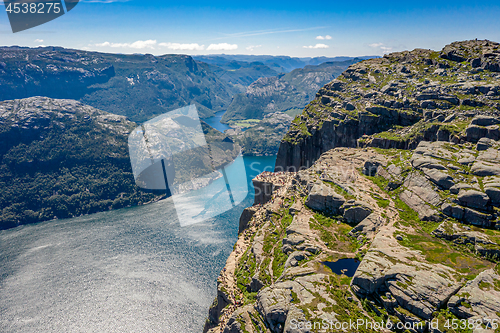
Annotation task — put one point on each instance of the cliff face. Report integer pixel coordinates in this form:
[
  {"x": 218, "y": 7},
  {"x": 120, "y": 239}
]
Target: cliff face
[
  {"x": 397, "y": 101},
  {"x": 400, "y": 227}
]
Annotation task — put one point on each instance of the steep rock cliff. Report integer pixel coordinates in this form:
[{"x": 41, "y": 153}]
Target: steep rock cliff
[{"x": 397, "y": 101}]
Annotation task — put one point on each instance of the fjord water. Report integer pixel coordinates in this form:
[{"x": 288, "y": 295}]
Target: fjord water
[
  {"x": 215, "y": 122},
  {"x": 128, "y": 270}
]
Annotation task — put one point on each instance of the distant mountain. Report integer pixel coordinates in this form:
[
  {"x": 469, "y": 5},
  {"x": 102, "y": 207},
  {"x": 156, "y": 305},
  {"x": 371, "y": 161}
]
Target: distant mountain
[
  {"x": 240, "y": 74},
  {"x": 285, "y": 93},
  {"x": 137, "y": 86},
  {"x": 320, "y": 60},
  {"x": 281, "y": 64}
]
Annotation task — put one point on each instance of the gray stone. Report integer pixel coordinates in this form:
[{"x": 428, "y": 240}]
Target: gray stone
[
  {"x": 272, "y": 304},
  {"x": 426, "y": 162},
  {"x": 420, "y": 290},
  {"x": 293, "y": 318},
  {"x": 256, "y": 284},
  {"x": 474, "y": 133},
  {"x": 461, "y": 186},
  {"x": 476, "y": 218},
  {"x": 370, "y": 168},
  {"x": 421, "y": 187},
  {"x": 494, "y": 194},
  {"x": 356, "y": 214},
  {"x": 483, "y": 169},
  {"x": 368, "y": 227},
  {"x": 324, "y": 198},
  {"x": 294, "y": 259},
  {"x": 454, "y": 211},
  {"x": 295, "y": 208},
  {"x": 393, "y": 185},
  {"x": 478, "y": 299},
  {"x": 439, "y": 178},
  {"x": 473, "y": 199},
  {"x": 425, "y": 212},
  {"x": 484, "y": 144},
  {"x": 485, "y": 120}
]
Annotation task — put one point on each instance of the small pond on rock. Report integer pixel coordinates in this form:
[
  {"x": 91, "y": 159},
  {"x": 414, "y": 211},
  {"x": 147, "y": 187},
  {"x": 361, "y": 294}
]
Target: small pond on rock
[{"x": 347, "y": 266}]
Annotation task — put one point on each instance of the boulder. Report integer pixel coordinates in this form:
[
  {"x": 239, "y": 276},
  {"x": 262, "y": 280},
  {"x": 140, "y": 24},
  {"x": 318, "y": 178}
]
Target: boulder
[
  {"x": 473, "y": 199},
  {"x": 273, "y": 304},
  {"x": 483, "y": 169},
  {"x": 324, "y": 198},
  {"x": 294, "y": 259},
  {"x": 461, "y": 186},
  {"x": 476, "y": 218},
  {"x": 420, "y": 186},
  {"x": 484, "y": 144},
  {"x": 356, "y": 213},
  {"x": 370, "y": 168},
  {"x": 368, "y": 227},
  {"x": 494, "y": 194},
  {"x": 421, "y": 290},
  {"x": 485, "y": 120},
  {"x": 453, "y": 211},
  {"x": 425, "y": 212},
  {"x": 439, "y": 178},
  {"x": 479, "y": 298},
  {"x": 426, "y": 162},
  {"x": 474, "y": 133}
]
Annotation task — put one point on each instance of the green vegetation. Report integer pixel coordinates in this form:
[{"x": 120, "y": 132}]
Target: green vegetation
[
  {"x": 247, "y": 123},
  {"x": 71, "y": 167},
  {"x": 333, "y": 233},
  {"x": 339, "y": 291},
  {"x": 445, "y": 318},
  {"x": 340, "y": 190}
]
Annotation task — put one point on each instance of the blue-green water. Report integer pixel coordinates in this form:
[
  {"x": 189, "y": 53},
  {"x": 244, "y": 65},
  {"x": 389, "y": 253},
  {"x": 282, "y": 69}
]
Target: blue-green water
[
  {"x": 129, "y": 270},
  {"x": 215, "y": 122}
]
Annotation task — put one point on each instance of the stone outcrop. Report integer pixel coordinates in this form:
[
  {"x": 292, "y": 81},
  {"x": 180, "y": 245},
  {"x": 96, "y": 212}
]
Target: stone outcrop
[
  {"x": 480, "y": 298},
  {"x": 324, "y": 198},
  {"x": 376, "y": 103},
  {"x": 417, "y": 202}
]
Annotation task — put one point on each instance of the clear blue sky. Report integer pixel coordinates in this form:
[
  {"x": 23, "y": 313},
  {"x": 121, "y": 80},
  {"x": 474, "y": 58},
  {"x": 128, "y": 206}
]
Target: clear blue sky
[{"x": 295, "y": 28}]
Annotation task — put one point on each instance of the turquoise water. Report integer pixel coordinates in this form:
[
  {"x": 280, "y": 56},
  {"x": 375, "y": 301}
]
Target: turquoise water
[
  {"x": 128, "y": 270},
  {"x": 215, "y": 122}
]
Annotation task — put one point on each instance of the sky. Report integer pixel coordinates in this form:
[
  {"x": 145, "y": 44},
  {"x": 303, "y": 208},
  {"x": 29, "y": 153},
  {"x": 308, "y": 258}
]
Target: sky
[{"x": 293, "y": 28}]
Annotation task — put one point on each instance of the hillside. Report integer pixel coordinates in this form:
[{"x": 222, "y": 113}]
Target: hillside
[
  {"x": 60, "y": 158},
  {"x": 238, "y": 74},
  {"x": 284, "y": 93},
  {"x": 136, "y": 86},
  {"x": 394, "y": 216},
  {"x": 264, "y": 138}
]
